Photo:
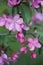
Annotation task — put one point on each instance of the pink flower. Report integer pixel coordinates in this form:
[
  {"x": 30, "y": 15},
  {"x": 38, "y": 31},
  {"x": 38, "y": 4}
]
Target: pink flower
[
  {"x": 15, "y": 56},
  {"x": 15, "y": 23},
  {"x": 37, "y": 18},
  {"x": 35, "y": 3},
  {"x": 4, "y": 56},
  {"x": 33, "y": 43},
  {"x": 41, "y": 3},
  {"x": 22, "y": 40},
  {"x": 1, "y": 61},
  {"x": 20, "y": 36},
  {"x": 13, "y": 2},
  {"x": 19, "y": 23},
  {"x": 23, "y": 50},
  {"x": 33, "y": 55}
]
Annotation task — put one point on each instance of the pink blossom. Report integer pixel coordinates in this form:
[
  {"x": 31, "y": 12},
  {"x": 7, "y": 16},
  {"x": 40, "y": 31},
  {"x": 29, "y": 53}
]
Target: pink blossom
[
  {"x": 13, "y": 2},
  {"x": 33, "y": 55},
  {"x": 20, "y": 36},
  {"x": 37, "y": 18},
  {"x": 35, "y": 3},
  {"x": 5, "y": 57},
  {"x": 1, "y": 61},
  {"x": 15, "y": 23},
  {"x": 41, "y": 3},
  {"x": 33, "y": 43},
  {"x": 19, "y": 23},
  {"x": 22, "y": 40},
  {"x": 23, "y": 50},
  {"x": 15, "y": 56}
]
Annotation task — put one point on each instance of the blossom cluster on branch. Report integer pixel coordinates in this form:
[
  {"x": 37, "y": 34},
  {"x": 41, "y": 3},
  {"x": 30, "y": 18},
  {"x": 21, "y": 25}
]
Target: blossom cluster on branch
[{"x": 17, "y": 24}]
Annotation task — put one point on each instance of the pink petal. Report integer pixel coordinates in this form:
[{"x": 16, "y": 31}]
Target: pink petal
[
  {"x": 42, "y": 3},
  {"x": 30, "y": 40},
  {"x": 2, "y": 21},
  {"x": 37, "y": 45},
  {"x": 36, "y": 40},
  {"x": 9, "y": 26},
  {"x": 22, "y": 40},
  {"x": 16, "y": 17},
  {"x": 20, "y": 21},
  {"x": 33, "y": 55},
  {"x": 23, "y": 50},
  {"x": 26, "y": 28},
  {"x": 31, "y": 47},
  {"x": 17, "y": 27}
]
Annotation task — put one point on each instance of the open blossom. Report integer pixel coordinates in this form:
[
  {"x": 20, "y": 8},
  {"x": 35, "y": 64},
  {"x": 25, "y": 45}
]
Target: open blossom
[
  {"x": 15, "y": 56},
  {"x": 13, "y": 2},
  {"x": 37, "y": 18},
  {"x": 4, "y": 58},
  {"x": 19, "y": 23},
  {"x": 20, "y": 37},
  {"x": 15, "y": 23},
  {"x": 35, "y": 3},
  {"x": 23, "y": 50},
  {"x": 33, "y": 55},
  {"x": 33, "y": 43}
]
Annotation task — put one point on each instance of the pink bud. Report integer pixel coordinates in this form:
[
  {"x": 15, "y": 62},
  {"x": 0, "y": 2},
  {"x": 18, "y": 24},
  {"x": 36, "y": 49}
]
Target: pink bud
[
  {"x": 15, "y": 56},
  {"x": 22, "y": 40},
  {"x": 33, "y": 55},
  {"x": 23, "y": 50},
  {"x": 19, "y": 35}
]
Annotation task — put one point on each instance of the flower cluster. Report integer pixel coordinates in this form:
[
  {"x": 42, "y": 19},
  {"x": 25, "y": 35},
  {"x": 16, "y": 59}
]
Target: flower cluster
[
  {"x": 15, "y": 23},
  {"x": 5, "y": 59},
  {"x": 33, "y": 43}
]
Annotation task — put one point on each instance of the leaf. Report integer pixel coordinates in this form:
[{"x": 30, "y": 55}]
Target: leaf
[
  {"x": 26, "y": 12},
  {"x": 2, "y": 8}
]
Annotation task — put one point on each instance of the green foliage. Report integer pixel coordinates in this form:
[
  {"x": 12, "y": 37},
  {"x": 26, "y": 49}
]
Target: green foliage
[
  {"x": 26, "y": 12},
  {"x": 2, "y": 8}
]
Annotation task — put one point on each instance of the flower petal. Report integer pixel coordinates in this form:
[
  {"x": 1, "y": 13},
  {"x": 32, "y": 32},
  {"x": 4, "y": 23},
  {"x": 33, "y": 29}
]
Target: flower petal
[
  {"x": 31, "y": 47},
  {"x": 17, "y": 27}
]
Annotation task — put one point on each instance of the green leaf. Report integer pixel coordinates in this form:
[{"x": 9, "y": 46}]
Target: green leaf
[
  {"x": 2, "y": 8},
  {"x": 26, "y": 12}
]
